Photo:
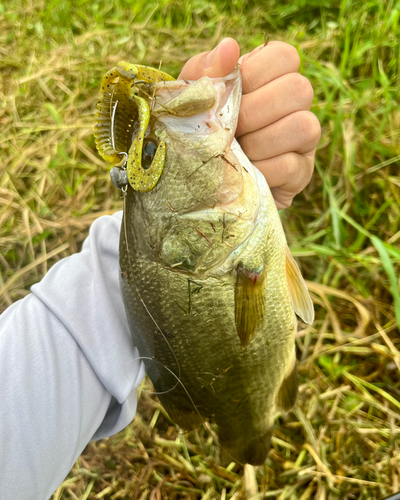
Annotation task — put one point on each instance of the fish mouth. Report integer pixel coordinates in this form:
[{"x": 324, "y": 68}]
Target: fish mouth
[{"x": 200, "y": 107}]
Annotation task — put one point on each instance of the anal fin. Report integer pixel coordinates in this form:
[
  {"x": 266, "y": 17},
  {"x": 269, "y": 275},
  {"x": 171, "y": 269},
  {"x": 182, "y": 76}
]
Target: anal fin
[
  {"x": 287, "y": 395},
  {"x": 249, "y": 302}
]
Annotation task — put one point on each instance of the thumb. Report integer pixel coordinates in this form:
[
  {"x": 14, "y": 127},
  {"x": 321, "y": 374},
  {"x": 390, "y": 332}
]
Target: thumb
[{"x": 218, "y": 63}]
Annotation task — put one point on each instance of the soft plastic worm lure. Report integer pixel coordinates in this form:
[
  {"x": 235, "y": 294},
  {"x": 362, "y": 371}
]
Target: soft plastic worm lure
[
  {"x": 139, "y": 178},
  {"x": 117, "y": 112}
]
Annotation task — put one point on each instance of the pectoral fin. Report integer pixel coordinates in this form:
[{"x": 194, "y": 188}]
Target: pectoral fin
[
  {"x": 299, "y": 296},
  {"x": 249, "y": 302}
]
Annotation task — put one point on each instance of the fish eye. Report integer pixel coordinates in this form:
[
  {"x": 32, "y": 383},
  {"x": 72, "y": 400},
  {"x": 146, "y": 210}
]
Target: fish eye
[{"x": 149, "y": 150}]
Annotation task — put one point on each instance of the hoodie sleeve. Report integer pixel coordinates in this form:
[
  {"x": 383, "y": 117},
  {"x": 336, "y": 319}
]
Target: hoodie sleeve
[{"x": 68, "y": 367}]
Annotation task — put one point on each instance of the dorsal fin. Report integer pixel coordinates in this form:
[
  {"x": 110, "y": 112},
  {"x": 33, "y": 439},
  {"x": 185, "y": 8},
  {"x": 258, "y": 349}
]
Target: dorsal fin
[
  {"x": 249, "y": 302},
  {"x": 299, "y": 296}
]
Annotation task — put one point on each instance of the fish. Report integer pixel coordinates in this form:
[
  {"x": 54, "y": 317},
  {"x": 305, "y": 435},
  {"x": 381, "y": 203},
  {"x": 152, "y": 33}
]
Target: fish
[{"x": 210, "y": 287}]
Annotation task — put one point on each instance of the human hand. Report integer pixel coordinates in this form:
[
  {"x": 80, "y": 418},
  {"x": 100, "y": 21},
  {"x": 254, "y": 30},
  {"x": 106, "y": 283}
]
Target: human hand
[{"x": 275, "y": 129}]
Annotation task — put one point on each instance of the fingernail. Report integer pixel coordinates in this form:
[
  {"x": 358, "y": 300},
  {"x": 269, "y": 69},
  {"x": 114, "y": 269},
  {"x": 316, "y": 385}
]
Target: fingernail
[{"x": 212, "y": 57}]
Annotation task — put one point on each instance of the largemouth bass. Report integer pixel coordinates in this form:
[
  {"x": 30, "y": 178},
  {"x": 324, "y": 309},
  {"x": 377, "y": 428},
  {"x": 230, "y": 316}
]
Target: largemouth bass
[{"x": 209, "y": 284}]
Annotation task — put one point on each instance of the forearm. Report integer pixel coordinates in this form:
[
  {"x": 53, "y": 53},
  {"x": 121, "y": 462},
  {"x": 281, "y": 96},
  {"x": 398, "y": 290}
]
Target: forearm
[{"x": 68, "y": 368}]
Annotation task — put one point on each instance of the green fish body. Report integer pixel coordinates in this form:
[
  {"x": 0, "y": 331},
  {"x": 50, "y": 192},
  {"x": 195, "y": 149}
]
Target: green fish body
[{"x": 209, "y": 285}]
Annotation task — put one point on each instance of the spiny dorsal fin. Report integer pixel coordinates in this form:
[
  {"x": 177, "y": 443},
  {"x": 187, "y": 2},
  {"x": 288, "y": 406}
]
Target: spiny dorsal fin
[
  {"x": 249, "y": 302},
  {"x": 299, "y": 296}
]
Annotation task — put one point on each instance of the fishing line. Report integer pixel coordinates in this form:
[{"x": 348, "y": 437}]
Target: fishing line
[
  {"x": 112, "y": 124},
  {"x": 204, "y": 422},
  {"x": 147, "y": 309},
  {"x": 125, "y": 161},
  {"x": 169, "y": 390},
  {"x": 153, "y": 97},
  {"x": 134, "y": 283},
  {"x": 178, "y": 377},
  {"x": 166, "y": 340},
  {"x": 122, "y": 164},
  {"x": 124, "y": 191}
]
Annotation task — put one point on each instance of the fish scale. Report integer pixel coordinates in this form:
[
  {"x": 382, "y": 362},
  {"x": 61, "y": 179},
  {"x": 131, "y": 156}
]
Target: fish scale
[{"x": 209, "y": 285}]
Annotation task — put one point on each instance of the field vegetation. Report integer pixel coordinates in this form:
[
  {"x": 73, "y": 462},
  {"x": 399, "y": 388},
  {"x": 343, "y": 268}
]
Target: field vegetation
[{"x": 342, "y": 441}]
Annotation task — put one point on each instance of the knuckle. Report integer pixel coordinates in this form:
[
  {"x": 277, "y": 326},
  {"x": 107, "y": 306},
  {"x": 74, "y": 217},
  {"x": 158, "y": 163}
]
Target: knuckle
[
  {"x": 299, "y": 170},
  {"x": 287, "y": 202},
  {"x": 290, "y": 54},
  {"x": 292, "y": 166},
  {"x": 283, "y": 198},
  {"x": 308, "y": 126},
  {"x": 302, "y": 88}
]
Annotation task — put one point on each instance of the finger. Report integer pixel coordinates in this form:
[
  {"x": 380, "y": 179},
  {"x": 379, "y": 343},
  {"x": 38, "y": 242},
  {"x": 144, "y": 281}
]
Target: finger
[
  {"x": 276, "y": 59},
  {"x": 281, "y": 97},
  {"x": 287, "y": 175},
  {"x": 218, "y": 63},
  {"x": 298, "y": 132}
]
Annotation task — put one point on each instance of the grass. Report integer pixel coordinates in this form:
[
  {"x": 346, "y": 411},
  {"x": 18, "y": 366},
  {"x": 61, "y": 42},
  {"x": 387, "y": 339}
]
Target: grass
[{"x": 342, "y": 440}]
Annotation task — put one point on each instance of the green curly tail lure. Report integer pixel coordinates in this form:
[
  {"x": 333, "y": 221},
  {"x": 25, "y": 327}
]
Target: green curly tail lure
[{"x": 118, "y": 110}]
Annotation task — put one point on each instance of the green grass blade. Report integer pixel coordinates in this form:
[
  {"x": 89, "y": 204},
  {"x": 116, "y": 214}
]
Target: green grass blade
[
  {"x": 393, "y": 280},
  {"x": 359, "y": 382}
]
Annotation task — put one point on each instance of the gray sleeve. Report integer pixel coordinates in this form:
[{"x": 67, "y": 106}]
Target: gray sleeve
[{"x": 68, "y": 367}]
